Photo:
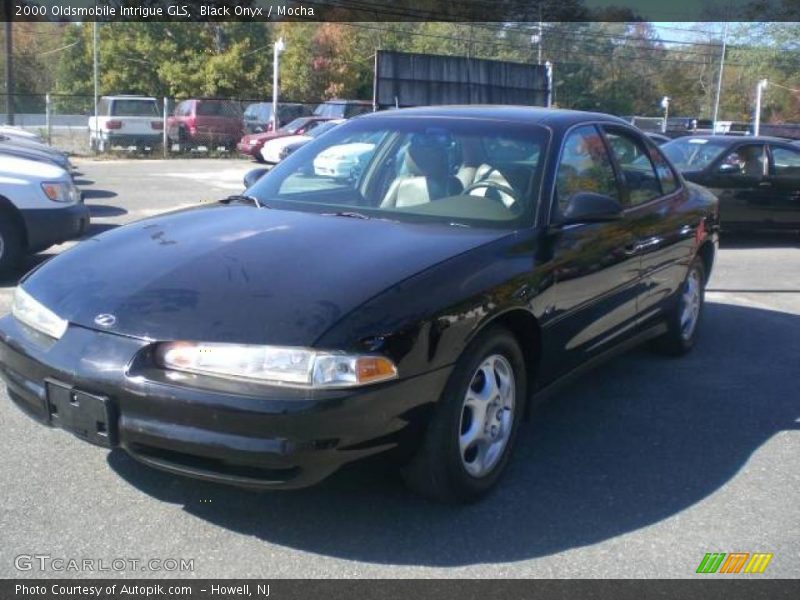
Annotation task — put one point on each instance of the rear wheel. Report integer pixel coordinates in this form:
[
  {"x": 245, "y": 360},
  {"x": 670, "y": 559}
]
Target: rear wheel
[
  {"x": 474, "y": 426},
  {"x": 684, "y": 318},
  {"x": 10, "y": 243}
]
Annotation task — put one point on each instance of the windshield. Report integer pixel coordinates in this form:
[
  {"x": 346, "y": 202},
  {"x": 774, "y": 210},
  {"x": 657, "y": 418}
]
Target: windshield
[
  {"x": 694, "y": 154},
  {"x": 452, "y": 171},
  {"x": 294, "y": 125}
]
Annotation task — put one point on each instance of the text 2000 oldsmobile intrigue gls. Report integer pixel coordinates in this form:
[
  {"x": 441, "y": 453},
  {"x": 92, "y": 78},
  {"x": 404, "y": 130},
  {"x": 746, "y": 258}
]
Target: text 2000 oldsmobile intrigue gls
[{"x": 474, "y": 259}]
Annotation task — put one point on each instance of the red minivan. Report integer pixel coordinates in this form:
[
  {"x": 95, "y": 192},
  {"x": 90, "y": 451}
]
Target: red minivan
[{"x": 204, "y": 122}]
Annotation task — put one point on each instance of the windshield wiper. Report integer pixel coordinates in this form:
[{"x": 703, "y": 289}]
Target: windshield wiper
[
  {"x": 347, "y": 213},
  {"x": 244, "y": 198}
]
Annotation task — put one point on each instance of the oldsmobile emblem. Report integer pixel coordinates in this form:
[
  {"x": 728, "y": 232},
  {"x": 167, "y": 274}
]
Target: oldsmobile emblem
[{"x": 105, "y": 320}]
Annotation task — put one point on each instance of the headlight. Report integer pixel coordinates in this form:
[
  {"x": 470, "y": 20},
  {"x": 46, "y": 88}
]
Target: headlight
[
  {"x": 30, "y": 311},
  {"x": 60, "y": 191},
  {"x": 302, "y": 367}
]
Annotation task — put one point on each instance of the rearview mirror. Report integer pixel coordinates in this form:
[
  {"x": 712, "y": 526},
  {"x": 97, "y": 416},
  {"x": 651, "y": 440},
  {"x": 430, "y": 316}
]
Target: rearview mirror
[
  {"x": 590, "y": 207},
  {"x": 252, "y": 176}
]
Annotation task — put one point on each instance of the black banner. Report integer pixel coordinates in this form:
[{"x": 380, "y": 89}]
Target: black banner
[
  {"x": 407, "y": 79},
  {"x": 743, "y": 588},
  {"x": 402, "y": 10}
]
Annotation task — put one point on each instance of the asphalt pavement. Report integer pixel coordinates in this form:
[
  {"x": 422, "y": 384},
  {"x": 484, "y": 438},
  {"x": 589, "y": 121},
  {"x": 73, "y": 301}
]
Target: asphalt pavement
[{"x": 637, "y": 470}]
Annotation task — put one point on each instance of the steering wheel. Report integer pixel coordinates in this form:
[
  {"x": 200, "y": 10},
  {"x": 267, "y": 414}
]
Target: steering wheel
[{"x": 497, "y": 186}]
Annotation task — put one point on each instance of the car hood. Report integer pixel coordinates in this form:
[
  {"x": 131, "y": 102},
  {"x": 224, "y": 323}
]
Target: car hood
[
  {"x": 236, "y": 273},
  {"x": 9, "y": 149}
]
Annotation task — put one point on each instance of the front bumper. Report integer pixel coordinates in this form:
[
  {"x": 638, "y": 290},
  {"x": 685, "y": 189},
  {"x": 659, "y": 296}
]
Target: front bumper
[
  {"x": 230, "y": 432},
  {"x": 48, "y": 226}
]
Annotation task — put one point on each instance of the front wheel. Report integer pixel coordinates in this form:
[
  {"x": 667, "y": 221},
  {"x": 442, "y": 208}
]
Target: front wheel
[
  {"x": 684, "y": 318},
  {"x": 474, "y": 425}
]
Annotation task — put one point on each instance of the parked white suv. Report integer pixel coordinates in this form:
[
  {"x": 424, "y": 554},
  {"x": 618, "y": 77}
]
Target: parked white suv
[
  {"x": 126, "y": 121},
  {"x": 39, "y": 207}
]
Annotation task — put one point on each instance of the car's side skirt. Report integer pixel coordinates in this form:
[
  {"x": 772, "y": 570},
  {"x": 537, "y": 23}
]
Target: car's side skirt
[{"x": 552, "y": 388}]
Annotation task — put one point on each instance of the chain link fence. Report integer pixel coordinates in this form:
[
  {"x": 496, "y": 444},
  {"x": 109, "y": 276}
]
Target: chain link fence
[{"x": 156, "y": 126}]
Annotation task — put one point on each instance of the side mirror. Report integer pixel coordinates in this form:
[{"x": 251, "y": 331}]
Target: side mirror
[
  {"x": 590, "y": 207},
  {"x": 728, "y": 169},
  {"x": 252, "y": 176},
  {"x": 258, "y": 129}
]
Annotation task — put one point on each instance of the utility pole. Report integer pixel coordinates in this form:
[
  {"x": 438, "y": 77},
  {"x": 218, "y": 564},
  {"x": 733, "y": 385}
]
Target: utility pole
[
  {"x": 719, "y": 80},
  {"x": 9, "y": 63},
  {"x": 665, "y": 106},
  {"x": 760, "y": 87},
  {"x": 94, "y": 68},
  {"x": 278, "y": 47}
]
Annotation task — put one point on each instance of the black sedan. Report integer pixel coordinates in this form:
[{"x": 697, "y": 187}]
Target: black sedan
[
  {"x": 481, "y": 257},
  {"x": 757, "y": 179}
]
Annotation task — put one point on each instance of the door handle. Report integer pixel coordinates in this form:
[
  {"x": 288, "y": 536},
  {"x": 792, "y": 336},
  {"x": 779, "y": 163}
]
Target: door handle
[
  {"x": 765, "y": 184},
  {"x": 642, "y": 245}
]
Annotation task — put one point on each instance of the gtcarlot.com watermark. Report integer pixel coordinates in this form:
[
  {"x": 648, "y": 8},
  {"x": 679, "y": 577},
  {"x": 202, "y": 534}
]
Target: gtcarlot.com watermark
[{"x": 65, "y": 564}]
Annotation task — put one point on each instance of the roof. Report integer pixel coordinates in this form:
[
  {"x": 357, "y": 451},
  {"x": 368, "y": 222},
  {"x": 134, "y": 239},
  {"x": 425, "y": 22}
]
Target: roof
[
  {"x": 518, "y": 114},
  {"x": 735, "y": 138}
]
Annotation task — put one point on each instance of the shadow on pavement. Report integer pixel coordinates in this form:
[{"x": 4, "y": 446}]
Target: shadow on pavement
[
  {"x": 11, "y": 277},
  {"x": 638, "y": 440},
  {"x": 105, "y": 210},
  {"x": 98, "y": 194}
]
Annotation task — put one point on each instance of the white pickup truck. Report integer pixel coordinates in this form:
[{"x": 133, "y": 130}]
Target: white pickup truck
[
  {"x": 39, "y": 206},
  {"x": 126, "y": 121}
]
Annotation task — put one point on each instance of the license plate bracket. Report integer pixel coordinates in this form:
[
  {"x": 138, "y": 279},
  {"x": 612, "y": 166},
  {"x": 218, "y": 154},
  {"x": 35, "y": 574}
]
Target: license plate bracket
[{"x": 88, "y": 416}]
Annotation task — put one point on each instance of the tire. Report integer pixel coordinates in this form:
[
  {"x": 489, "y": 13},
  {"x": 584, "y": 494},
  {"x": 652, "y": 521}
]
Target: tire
[
  {"x": 684, "y": 318},
  {"x": 447, "y": 466},
  {"x": 10, "y": 244}
]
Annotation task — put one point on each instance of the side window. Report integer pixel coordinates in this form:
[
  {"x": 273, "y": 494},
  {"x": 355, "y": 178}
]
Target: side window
[
  {"x": 103, "y": 107},
  {"x": 749, "y": 160},
  {"x": 633, "y": 157},
  {"x": 667, "y": 177},
  {"x": 585, "y": 167},
  {"x": 785, "y": 162}
]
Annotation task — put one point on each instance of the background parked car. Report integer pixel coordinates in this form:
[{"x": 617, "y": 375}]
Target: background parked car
[
  {"x": 658, "y": 138},
  {"x": 258, "y": 116},
  {"x": 251, "y": 145},
  {"x": 39, "y": 206},
  {"x": 343, "y": 109},
  {"x": 126, "y": 121},
  {"x": 204, "y": 122},
  {"x": 345, "y": 161},
  {"x": 757, "y": 179},
  {"x": 31, "y": 150},
  {"x": 272, "y": 152},
  {"x": 19, "y": 132}
]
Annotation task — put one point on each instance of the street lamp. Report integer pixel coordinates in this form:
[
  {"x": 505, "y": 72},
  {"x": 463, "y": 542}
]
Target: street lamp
[
  {"x": 665, "y": 106},
  {"x": 277, "y": 48},
  {"x": 760, "y": 87}
]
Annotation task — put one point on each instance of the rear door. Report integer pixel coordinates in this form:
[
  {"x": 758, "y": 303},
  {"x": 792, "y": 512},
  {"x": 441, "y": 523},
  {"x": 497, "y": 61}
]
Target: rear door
[
  {"x": 595, "y": 273},
  {"x": 653, "y": 210},
  {"x": 784, "y": 175}
]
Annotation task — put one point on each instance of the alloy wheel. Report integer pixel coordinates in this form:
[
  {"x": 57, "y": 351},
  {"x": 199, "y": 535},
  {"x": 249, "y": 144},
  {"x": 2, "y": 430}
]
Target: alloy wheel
[
  {"x": 690, "y": 304},
  {"x": 487, "y": 416}
]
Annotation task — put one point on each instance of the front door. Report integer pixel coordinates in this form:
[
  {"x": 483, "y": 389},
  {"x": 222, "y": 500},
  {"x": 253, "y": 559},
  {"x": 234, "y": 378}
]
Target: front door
[{"x": 739, "y": 179}]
